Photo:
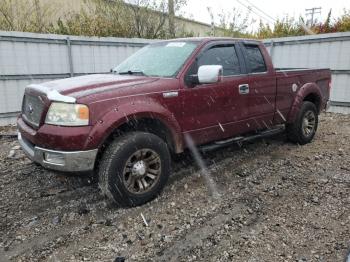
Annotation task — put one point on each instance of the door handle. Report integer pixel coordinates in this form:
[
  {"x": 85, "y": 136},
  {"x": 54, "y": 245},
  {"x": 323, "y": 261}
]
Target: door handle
[{"x": 243, "y": 89}]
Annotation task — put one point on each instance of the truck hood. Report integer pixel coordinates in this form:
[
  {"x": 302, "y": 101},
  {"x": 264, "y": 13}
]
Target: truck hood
[{"x": 70, "y": 89}]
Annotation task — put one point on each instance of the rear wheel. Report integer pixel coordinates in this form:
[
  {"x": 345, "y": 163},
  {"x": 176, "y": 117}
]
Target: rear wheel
[
  {"x": 303, "y": 130},
  {"x": 134, "y": 168}
]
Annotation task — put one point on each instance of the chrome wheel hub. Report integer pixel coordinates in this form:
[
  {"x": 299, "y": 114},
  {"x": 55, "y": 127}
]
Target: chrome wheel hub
[{"x": 139, "y": 168}]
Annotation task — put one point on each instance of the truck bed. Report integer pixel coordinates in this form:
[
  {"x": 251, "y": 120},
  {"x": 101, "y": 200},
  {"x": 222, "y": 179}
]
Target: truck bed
[{"x": 287, "y": 79}]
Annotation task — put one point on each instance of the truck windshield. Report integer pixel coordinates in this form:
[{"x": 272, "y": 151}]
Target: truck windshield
[{"x": 161, "y": 59}]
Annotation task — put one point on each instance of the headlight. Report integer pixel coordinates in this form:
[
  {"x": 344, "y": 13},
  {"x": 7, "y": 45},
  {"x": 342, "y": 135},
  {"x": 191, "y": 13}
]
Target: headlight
[{"x": 64, "y": 114}]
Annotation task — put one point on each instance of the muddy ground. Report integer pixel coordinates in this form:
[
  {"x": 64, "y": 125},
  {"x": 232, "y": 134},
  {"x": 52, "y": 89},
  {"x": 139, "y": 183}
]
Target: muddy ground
[{"x": 278, "y": 202}]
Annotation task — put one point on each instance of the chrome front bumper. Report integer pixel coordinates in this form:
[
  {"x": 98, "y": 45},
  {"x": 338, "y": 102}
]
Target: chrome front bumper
[{"x": 67, "y": 161}]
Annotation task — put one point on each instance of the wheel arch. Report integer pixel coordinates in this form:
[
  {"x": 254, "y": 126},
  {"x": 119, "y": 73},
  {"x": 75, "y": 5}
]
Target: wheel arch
[
  {"x": 147, "y": 124},
  {"x": 156, "y": 120},
  {"x": 314, "y": 98},
  {"x": 308, "y": 92}
]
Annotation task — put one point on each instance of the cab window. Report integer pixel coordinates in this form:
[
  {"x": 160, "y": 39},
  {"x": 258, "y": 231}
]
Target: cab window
[
  {"x": 255, "y": 59},
  {"x": 224, "y": 55}
]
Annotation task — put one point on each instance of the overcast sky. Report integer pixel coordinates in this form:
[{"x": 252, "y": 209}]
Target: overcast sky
[{"x": 197, "y": 9}]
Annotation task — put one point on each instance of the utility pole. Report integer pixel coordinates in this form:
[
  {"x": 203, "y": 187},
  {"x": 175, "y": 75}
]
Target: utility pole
[
  {"x": 312, "y": 12},
  {"x": 212, "y": 24},
  {"x": 171, "y": 12}
]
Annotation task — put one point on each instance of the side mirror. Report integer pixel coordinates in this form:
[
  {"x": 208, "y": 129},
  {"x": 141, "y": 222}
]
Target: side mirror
[{"x": 208, "y": 74}]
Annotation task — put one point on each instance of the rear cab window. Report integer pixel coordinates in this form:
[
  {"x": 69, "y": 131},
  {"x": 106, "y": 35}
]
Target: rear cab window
[{"x": 254, "y": 59}]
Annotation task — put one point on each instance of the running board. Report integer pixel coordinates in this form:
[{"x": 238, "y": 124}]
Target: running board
[{"x": 241, "y": 139}]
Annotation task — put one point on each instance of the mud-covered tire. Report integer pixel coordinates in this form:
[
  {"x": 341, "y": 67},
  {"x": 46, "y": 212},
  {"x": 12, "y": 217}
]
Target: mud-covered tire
[
  {"x": 303, "y": 130},
  {"x": 114, "y": 169}
]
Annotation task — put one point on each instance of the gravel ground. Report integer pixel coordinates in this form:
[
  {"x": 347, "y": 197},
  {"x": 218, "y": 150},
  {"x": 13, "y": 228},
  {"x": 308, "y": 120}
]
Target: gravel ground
[{"x": 277, "y": 202}]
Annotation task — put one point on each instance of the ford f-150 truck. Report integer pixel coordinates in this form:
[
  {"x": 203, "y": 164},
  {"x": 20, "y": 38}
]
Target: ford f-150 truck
[{"x": 126, "y": 125}]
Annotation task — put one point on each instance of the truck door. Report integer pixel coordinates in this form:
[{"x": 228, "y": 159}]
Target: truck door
[
  {"x": 261, "y": 85},
  {"x": 213, "y": 111}
]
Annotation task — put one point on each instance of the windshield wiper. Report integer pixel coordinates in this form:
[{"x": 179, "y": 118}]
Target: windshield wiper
[{"x": 132, "y": 72}]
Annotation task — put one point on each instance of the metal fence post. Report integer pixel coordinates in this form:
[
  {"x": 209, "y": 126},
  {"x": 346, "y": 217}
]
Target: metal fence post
[
  {"x": 70, "y": 58},
  {"x": 271, "y": 49}
]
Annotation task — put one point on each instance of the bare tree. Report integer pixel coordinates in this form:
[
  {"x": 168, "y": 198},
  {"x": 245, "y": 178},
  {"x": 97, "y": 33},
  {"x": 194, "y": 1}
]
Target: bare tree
[
  {"x": 133, "y": 18},
  {"x": 25, "y": 15},
  {"x": 151, "y": 16},
  {"x": 232, "y": 23},
  {"x": 235, "y": 22},
  {"x": 147, "y": 18}
]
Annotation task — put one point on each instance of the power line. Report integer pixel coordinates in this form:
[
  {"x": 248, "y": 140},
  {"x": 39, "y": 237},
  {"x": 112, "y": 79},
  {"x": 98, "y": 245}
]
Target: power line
[
  {"x": 251, "y": 10},
  {"x": 263, "y": 12},
  {"x": 304, "y": 27}
]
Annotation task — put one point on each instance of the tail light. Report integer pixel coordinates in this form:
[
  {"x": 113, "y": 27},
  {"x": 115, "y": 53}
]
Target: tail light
[{"x": 330, "y": 84}]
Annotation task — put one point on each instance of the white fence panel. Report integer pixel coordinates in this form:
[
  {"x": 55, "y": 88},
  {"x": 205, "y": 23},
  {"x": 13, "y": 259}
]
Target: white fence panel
[
  {"x": 33, "y": 58},
  {"x": 317, "y": 51},
  {"x": 27, "y": 58}
]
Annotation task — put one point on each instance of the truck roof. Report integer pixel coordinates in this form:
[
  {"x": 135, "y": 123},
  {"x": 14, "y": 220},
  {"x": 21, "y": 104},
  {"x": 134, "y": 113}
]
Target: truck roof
[{"x": 209, "y": 39}]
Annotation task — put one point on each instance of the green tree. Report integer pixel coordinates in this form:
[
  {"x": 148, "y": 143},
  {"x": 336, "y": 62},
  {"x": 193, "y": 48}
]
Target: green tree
[
  {"x": 342, "y": 24},
  {"x": 291, "y": 27},
  {"x": 285, "y": 27}
]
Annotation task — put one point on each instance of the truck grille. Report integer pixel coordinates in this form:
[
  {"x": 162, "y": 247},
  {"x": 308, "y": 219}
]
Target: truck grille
[{"x": 32, "y": 109}]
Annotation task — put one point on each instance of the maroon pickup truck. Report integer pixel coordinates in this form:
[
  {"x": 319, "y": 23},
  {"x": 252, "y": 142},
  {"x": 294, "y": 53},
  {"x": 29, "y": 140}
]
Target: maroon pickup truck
[{"x": 125, "y": 125}]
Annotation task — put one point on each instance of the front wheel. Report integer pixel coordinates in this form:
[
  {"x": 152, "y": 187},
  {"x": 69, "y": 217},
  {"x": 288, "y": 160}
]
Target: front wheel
[
  {"x": 303, "y": 130},
  {"x": 134, "y": 168}
]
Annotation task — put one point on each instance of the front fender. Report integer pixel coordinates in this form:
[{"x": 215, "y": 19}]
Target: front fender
[
  {"x": 304, "y": 91},
  {"x": 125, "y": 112}
]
